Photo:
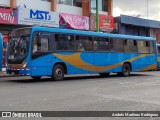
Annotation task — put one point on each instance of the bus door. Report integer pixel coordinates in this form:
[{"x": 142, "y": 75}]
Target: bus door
[
  {"x": 41, "y": 53},
  {"x": 1, "y": 51}
]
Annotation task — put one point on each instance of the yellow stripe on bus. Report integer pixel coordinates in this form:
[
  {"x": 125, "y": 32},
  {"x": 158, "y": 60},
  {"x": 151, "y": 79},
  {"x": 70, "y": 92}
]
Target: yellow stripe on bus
[{"x": 75, "y": 58}]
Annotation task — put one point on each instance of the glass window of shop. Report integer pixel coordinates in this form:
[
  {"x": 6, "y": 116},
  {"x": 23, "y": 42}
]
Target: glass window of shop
[
  {"x": 65, "y": 2},
  {"x": 77, "y": 3},
  {"x": 102, "y": 5},
  {"x": 46, "y": 0}
]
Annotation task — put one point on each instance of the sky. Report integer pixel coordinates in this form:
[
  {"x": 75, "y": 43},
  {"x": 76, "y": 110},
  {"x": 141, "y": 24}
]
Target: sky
[{"x": 137, "y": 8}]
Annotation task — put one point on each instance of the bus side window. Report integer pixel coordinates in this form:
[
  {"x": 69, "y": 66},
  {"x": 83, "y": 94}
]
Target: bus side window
[
  {"x": 142, "y": 47},
  {"x": 96, "y": 43},
  {"x": 101, "y": 44},
  {"x": 34, "y": 45},
  {"x": 88, "y": 44},
  {"x": 147, "y": 47},
  {"x": 56, "y": 39},
  {"x": 116, "y": 45},
  {"x": 158, "y": 48},
  {"x": 111, "y": 45},
  {"x": 130, "y": 46},
  {"x": 70, "y": 42},
  {"x": 44, "y": 44},
  {"x": 79, "y": 43},
  {"x": 64, "y": 42},
  {"x": 151, "y": 46},
  {"x": 105, "y": 44},
  {"x": 40, "y": 44},
  {"x": 84, "y": 43}
]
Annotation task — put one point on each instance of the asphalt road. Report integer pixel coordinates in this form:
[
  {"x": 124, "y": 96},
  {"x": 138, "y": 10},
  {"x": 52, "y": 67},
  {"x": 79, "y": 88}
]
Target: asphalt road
[{"x": 138, "y": 92}]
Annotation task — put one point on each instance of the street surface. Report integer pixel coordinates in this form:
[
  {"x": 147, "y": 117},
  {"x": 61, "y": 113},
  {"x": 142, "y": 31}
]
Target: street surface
[{"x": 138, "y": 92}]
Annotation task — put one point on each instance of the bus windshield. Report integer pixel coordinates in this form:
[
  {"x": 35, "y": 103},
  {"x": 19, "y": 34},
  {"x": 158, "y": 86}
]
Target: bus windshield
[{"x": 18, "y": 47}]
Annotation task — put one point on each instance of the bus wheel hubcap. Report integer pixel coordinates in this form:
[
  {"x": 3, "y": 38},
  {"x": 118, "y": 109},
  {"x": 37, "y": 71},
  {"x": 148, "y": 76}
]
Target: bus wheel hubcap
[
  {"x": 125, "y": 69},
  {"x": 59, "y": 72}
]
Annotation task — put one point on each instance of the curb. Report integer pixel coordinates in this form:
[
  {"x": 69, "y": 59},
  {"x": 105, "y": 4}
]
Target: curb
[{"x": 2, "y": 74}]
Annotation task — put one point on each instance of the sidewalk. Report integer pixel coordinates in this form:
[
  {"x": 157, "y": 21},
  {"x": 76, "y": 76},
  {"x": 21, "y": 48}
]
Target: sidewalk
[{"x": 3, "y": 74}]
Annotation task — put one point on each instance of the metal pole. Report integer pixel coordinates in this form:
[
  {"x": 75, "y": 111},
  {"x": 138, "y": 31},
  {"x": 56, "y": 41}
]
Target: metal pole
[{"x": 97, "y": 17}]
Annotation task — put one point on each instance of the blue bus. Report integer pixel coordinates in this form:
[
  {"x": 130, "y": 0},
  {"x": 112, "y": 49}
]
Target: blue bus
[
  {"x": 54, "y": 52},
  {"x": 1, "y": 51},
  {"x": 158, "y": 53}
]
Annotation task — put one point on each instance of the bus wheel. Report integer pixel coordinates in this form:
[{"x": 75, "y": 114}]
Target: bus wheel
[
  {"x": 126, "y": 69},
  {"x": 58, "y": 72},
  {"x": 36, "y": 77},
  {"x": 104, "y": 74}
]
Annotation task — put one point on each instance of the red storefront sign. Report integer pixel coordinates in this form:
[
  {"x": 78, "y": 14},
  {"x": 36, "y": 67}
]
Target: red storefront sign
[
  {"x": 8, "y": 16},
  {"x": 74, "y": 21},
  {"x": 106, "y": 22}
]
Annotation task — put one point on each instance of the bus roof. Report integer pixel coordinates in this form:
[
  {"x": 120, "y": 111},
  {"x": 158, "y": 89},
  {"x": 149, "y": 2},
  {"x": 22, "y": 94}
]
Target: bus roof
[{"x": 80, "y": 32}]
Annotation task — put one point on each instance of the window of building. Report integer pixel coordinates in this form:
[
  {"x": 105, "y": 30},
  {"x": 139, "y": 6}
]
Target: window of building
[
  {"x": 116, "y": 45},
  {"x": 46, "y": 0},
  {"x": 130, "y": 46},
  {"x": 102, "y": 5},
  {"x": 64, "y": 42},
  {"x": 101, "y": 44},
  {"x": 65, "y": 2},
  {"x": 77, "y": 3}
]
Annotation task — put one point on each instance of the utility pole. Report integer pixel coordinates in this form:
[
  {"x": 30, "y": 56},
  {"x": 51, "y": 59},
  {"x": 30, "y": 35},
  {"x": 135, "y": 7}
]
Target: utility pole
[{"x": 97, "y": 17}]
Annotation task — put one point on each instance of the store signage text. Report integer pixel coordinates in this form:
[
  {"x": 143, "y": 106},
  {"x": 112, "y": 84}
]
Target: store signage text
[
  {"x": 42, "y": 15},
  {"x": 7, "y": 16},
  {"x": 38, "y": 17},
  {"x": 74, "y": 21}
]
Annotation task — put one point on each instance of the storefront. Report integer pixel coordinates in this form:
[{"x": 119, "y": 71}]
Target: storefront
[
  {"x": 8, "y": 21},
  {"x": 136, "y": 26}
]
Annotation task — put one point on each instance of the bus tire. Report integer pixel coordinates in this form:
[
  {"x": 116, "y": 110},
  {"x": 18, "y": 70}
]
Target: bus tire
[
  {"x": 36, "y": 77},
  {"x": 126, "y": 69},
  {"x": 58, "y": 72},
  {"x": 104, "y": 74}
]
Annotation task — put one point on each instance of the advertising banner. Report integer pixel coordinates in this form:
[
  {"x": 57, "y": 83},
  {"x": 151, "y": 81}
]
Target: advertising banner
[
  {"x": 74, "y": 21},
  {"x": 8, "y": 16},
  {"x": 106, "y": 22},
  {"x": 38, "y": 17}
]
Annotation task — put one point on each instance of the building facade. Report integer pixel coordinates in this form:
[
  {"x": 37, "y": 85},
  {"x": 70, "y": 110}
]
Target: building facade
[
  {"x": 137, "y": 26},
  {"x": 75, "y": 7},
  {"x": 72, "y": 14}
]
